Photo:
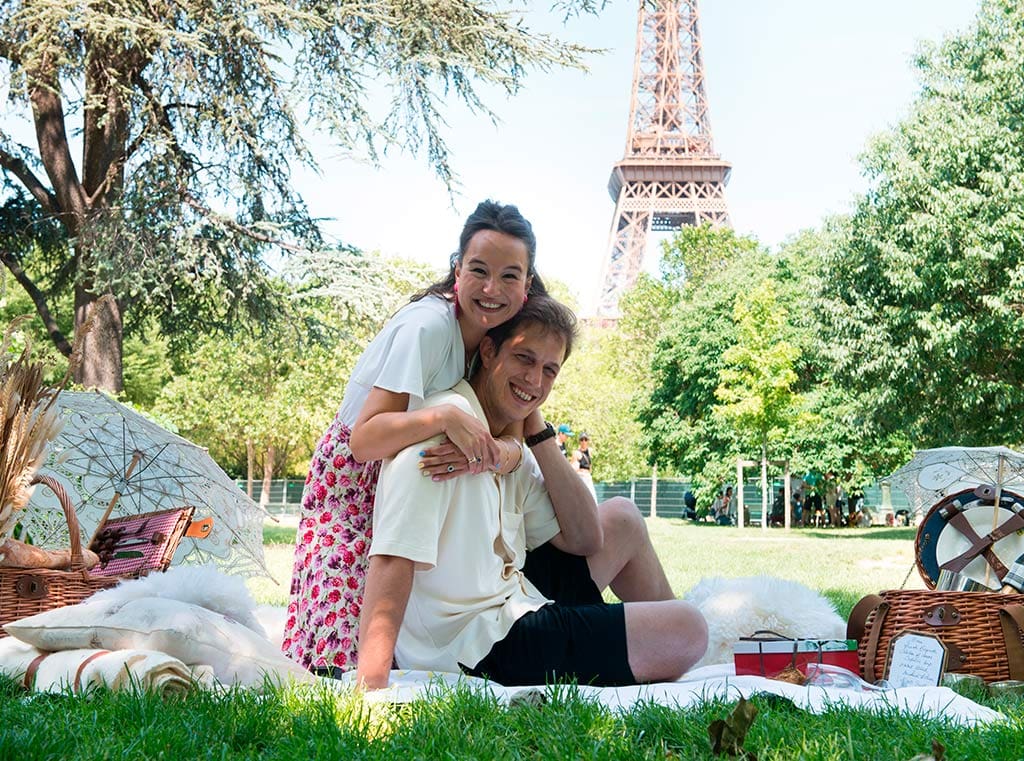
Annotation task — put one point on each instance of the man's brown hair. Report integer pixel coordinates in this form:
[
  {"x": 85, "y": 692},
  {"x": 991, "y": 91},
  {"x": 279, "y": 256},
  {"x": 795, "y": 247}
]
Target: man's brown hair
[{"x": 551, "y": 315}]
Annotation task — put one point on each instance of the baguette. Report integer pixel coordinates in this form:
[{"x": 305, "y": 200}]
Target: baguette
[{"x": 15, "y": 554}]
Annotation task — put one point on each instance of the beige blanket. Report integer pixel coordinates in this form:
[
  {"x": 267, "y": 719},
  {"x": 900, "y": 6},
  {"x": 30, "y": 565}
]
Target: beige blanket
[{"x": 82, "y": 670}]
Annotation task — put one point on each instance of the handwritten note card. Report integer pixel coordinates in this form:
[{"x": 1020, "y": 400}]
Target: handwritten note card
[{"x": 916, "y": 660}]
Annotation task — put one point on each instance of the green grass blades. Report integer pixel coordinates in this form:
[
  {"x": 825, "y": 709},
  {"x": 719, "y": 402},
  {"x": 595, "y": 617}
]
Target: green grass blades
[{"x": 321, "y": 723}]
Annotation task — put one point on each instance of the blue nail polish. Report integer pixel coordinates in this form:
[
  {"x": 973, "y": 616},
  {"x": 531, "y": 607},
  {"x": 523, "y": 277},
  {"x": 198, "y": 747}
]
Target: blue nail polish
[{"x": 423, "y": 453}]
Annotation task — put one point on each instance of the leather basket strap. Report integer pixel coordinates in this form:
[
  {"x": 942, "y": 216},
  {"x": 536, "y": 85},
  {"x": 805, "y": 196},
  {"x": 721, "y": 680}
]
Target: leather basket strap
[
  {"x": 1011, "y": 618},
  {"x": 859, "y": 616},
  {"x": 855, "y": 630},
  {"x": 871, "y": 651},
  {"x": 981, "y": 545}
]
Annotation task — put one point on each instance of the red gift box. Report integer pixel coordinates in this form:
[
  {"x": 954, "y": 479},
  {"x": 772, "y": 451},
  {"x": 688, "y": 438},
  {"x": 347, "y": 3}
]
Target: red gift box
[{"x": 770, "y": 656}]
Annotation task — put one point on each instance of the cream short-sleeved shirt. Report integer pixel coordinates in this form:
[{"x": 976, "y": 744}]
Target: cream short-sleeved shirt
[
  {"x": 468, "y": 538},
  {"x": 418, "y": 352}
]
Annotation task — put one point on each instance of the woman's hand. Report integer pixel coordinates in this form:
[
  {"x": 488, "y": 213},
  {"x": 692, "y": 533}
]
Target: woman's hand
[
  {"x": 443, "y": 461},
  {"x": 473, "y": 439}
]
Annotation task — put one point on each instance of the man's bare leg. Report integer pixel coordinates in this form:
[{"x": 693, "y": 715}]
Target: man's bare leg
[
  {"x": 664, "y": 639},
  {"x": 627, "y": 561}
]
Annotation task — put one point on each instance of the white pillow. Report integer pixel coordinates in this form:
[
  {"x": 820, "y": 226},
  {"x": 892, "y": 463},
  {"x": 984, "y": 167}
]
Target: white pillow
[
  {"x": 192, "y": 634},
  {"x": 203, "y": 585}
]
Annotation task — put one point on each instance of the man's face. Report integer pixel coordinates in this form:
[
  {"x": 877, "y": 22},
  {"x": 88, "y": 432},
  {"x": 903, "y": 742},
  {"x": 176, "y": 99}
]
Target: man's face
[{"x": 516, "y": 379}]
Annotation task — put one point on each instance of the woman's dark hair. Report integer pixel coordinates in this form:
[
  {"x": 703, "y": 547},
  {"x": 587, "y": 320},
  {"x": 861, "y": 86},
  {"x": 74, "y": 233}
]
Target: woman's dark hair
[
  {"x": 490, "y": 215},
  {"x": 540, "y": 309}
]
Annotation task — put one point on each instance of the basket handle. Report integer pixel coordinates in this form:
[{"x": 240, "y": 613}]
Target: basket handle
[
  {"x": 77, "y": 562},
  {"x": 855, "y": 630},
  {"x": 1011, "y": 619}
]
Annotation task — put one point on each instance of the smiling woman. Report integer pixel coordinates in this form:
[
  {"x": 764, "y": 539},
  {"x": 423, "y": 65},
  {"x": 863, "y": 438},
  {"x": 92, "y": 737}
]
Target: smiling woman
[{"x": 424, "y": 348}]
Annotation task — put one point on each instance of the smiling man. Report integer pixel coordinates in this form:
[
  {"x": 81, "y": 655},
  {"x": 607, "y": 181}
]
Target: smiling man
[{"x": 450, "y": 586}]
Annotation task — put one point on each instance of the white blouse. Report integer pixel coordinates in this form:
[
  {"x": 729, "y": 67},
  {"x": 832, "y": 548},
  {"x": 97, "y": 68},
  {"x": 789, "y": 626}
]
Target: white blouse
[{"x": 418, "y": 352}]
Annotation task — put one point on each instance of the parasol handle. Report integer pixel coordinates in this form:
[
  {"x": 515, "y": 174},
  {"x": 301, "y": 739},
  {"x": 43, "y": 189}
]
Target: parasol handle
[{"x": 136, "y": 458}]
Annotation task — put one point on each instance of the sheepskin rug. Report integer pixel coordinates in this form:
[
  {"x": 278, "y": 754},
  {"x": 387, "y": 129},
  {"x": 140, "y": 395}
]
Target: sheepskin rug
[
  {"x": 203, "y": 585},
  {"x": 736, "y": 608}
]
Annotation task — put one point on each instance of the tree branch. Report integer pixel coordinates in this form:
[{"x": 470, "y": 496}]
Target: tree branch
[
  {"x": 48, "y": 113},
  {"x": 194, "y": 203},
  {"x": 58, "y": 338},
  {"x": 160, "y": 117},
  {"x": 20, "y": 169},
  {"x": 7, "y": 51}
]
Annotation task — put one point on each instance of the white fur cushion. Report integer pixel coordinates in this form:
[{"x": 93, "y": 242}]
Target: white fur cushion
[
  {"x": 190, "y": 633},
  {"x": 203, "y": 585},
  {"x": 736, "y": 608}
]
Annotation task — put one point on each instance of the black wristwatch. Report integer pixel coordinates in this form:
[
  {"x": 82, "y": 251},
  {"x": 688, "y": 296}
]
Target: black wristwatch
[{"x": 537, "y": 438}]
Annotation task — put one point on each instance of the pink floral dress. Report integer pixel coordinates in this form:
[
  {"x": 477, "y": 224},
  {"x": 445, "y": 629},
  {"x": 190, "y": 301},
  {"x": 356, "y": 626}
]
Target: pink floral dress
[
  {"x": 331, "y": 555},
  {"x": 419, "y": 352}
]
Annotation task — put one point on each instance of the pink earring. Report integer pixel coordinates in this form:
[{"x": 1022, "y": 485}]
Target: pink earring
[
  {"x": 455, "y": 290},
  {"x": 526, "y": 297}
]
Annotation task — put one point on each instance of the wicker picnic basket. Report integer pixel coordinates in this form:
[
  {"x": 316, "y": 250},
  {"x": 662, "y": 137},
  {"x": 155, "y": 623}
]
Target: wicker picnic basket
[
  {"x": 27, "y": 591},
  {"x": 983, "y": 632}
]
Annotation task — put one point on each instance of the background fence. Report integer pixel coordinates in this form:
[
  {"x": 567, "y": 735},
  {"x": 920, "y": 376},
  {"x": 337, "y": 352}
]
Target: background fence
[{"x": 660, "y": 497}]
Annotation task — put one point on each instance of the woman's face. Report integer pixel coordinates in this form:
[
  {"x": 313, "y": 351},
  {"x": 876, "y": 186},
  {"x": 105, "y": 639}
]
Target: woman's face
[{"x": 493, "y": 278}]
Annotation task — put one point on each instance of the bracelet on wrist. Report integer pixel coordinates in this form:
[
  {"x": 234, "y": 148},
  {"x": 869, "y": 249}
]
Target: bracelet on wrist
[{"x": 519, "y": 448}]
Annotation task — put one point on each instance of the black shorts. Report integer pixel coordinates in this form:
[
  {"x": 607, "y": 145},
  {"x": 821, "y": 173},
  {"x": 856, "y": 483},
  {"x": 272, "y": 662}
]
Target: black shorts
[{"x": 578, "y": 638}]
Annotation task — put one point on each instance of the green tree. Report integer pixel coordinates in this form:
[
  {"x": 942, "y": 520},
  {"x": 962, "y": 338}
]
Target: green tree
[
  {"x": 833, "y": 430},
  {"x": 262, "y": 404},
  {"x": 189, "y": 118},
  {"x": 693, "y": 328},
  {"x": 757, "y": 378},
  {"x": 593, "y": 396},
  {"x": 259, "y": 407},
  {"x": 696, "y": 254},
  {"x": 924, "y": 288}
]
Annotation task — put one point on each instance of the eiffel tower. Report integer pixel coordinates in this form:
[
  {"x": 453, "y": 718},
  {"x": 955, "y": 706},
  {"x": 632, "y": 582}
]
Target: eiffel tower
[{"x": 670, "y": 175}]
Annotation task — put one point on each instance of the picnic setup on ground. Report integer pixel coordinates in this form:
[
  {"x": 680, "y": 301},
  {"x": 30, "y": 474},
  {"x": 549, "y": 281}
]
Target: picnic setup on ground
[{"x": 145, "y": 589}]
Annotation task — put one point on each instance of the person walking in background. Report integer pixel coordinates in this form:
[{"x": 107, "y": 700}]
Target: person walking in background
[
  {"x": 730, "y": 508},
  {"x": 831, "y": 499},
  {"x": 720, "y": 510},
  {"x": 581, "y": 460},
  {"x": 423, "y": 349},
  {"x": 690, "y": 505},
  {"x": 814, "y": 513},
  {"x": 564, "y": 432},
  {"x": 778, "y": 514}
]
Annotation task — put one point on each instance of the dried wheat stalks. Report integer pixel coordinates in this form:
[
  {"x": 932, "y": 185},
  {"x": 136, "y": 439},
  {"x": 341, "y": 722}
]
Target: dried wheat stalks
[{"x": 28, "y": 422}]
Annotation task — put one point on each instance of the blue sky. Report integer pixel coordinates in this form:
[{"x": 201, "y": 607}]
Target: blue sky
[{"x": 796, "y": 89}]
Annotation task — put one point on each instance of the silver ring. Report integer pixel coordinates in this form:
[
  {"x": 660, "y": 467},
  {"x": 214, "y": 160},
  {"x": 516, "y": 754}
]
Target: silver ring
[
  {"x": 451, "y": 468},
  {"x": 474, "y": 460}
]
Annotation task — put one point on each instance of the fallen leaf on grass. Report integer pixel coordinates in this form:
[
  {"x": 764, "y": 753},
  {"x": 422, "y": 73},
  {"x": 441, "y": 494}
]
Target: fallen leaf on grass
[
  {"x": 727, "y": 734},
  {"x": 938, "y": 753}
]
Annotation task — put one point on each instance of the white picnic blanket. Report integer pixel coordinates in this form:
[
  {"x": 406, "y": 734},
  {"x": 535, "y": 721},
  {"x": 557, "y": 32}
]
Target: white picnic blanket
[
  {"x": 82, "y": 669},
  {"x": 707, "y": 683}
]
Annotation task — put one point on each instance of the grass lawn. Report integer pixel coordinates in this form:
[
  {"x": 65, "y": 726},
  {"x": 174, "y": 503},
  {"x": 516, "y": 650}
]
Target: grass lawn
[
  {"x": 315, "y": 723},
  {"x": 844, "y": 564}
]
